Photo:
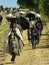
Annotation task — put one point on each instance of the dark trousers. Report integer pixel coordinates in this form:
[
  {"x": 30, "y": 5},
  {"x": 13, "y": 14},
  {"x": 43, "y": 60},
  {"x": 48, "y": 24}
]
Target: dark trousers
[{"x": 13, "y": 56}]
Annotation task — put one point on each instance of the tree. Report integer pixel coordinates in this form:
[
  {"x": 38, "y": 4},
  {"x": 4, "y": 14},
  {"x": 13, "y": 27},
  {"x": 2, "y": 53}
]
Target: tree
[
  {"x": 40, "y": 6},
  {"x": 31, "y": 4},
  {"x": 46, "y": 7},
  {"x": 1, "y": 8}
]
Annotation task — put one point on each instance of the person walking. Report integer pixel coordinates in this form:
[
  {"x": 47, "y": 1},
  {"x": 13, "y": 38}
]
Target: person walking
[
  {"x": 39, "y": 27},
  {"x": 33, "y": 36}
]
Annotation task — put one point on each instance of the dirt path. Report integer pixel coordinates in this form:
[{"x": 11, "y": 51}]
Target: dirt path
[{"x": 38, "y": 56}]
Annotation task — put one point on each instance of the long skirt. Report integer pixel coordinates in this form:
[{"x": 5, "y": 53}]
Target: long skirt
[{"x": 11, "y": 45}]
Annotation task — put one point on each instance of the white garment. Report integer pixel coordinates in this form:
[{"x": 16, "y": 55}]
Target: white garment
[
  {"x": 6, "y": 49},
  {"x": 5, "y": 46},
  {"x": 17, "y": 32},
  {"x": 32, "y": 23}
]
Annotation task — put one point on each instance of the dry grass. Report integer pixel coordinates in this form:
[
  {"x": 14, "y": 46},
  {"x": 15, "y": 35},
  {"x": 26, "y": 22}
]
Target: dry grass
[{"x": 38, "y": 56}]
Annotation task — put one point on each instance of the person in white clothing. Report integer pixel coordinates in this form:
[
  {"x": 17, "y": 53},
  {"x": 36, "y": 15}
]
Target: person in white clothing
[
  {"x": 17, "y": 35},
  {"x": 16, "y": 29}
]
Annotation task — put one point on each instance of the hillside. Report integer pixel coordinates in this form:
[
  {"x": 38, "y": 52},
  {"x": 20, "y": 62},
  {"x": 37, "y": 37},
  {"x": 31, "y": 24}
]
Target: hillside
[{"x": 38, "y": 56}]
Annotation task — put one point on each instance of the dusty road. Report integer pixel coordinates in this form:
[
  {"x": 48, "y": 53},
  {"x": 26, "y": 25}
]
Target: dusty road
[{"x": 38, "y": 56}]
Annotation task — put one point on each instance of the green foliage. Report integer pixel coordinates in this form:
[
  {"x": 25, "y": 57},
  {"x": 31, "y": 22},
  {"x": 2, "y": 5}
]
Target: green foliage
[
  {"x": 31, "y": 4},
  {"x": 46, "y": 7},
  {"x": 40, "y": 6}
]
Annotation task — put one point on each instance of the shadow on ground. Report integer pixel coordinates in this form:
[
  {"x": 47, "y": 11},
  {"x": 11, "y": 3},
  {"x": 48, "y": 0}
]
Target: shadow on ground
[
  {"x": 9, "y": 63},
  {"x": 40, "y": 47},
  {"x": 47, "y": 46}
]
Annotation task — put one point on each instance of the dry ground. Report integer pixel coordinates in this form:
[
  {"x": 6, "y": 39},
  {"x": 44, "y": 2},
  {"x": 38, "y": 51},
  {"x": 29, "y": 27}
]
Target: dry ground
[{"x": 38, "y": 56}]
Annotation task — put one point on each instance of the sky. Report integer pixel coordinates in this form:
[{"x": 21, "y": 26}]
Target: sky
[{"x": 9, "y": 3}]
